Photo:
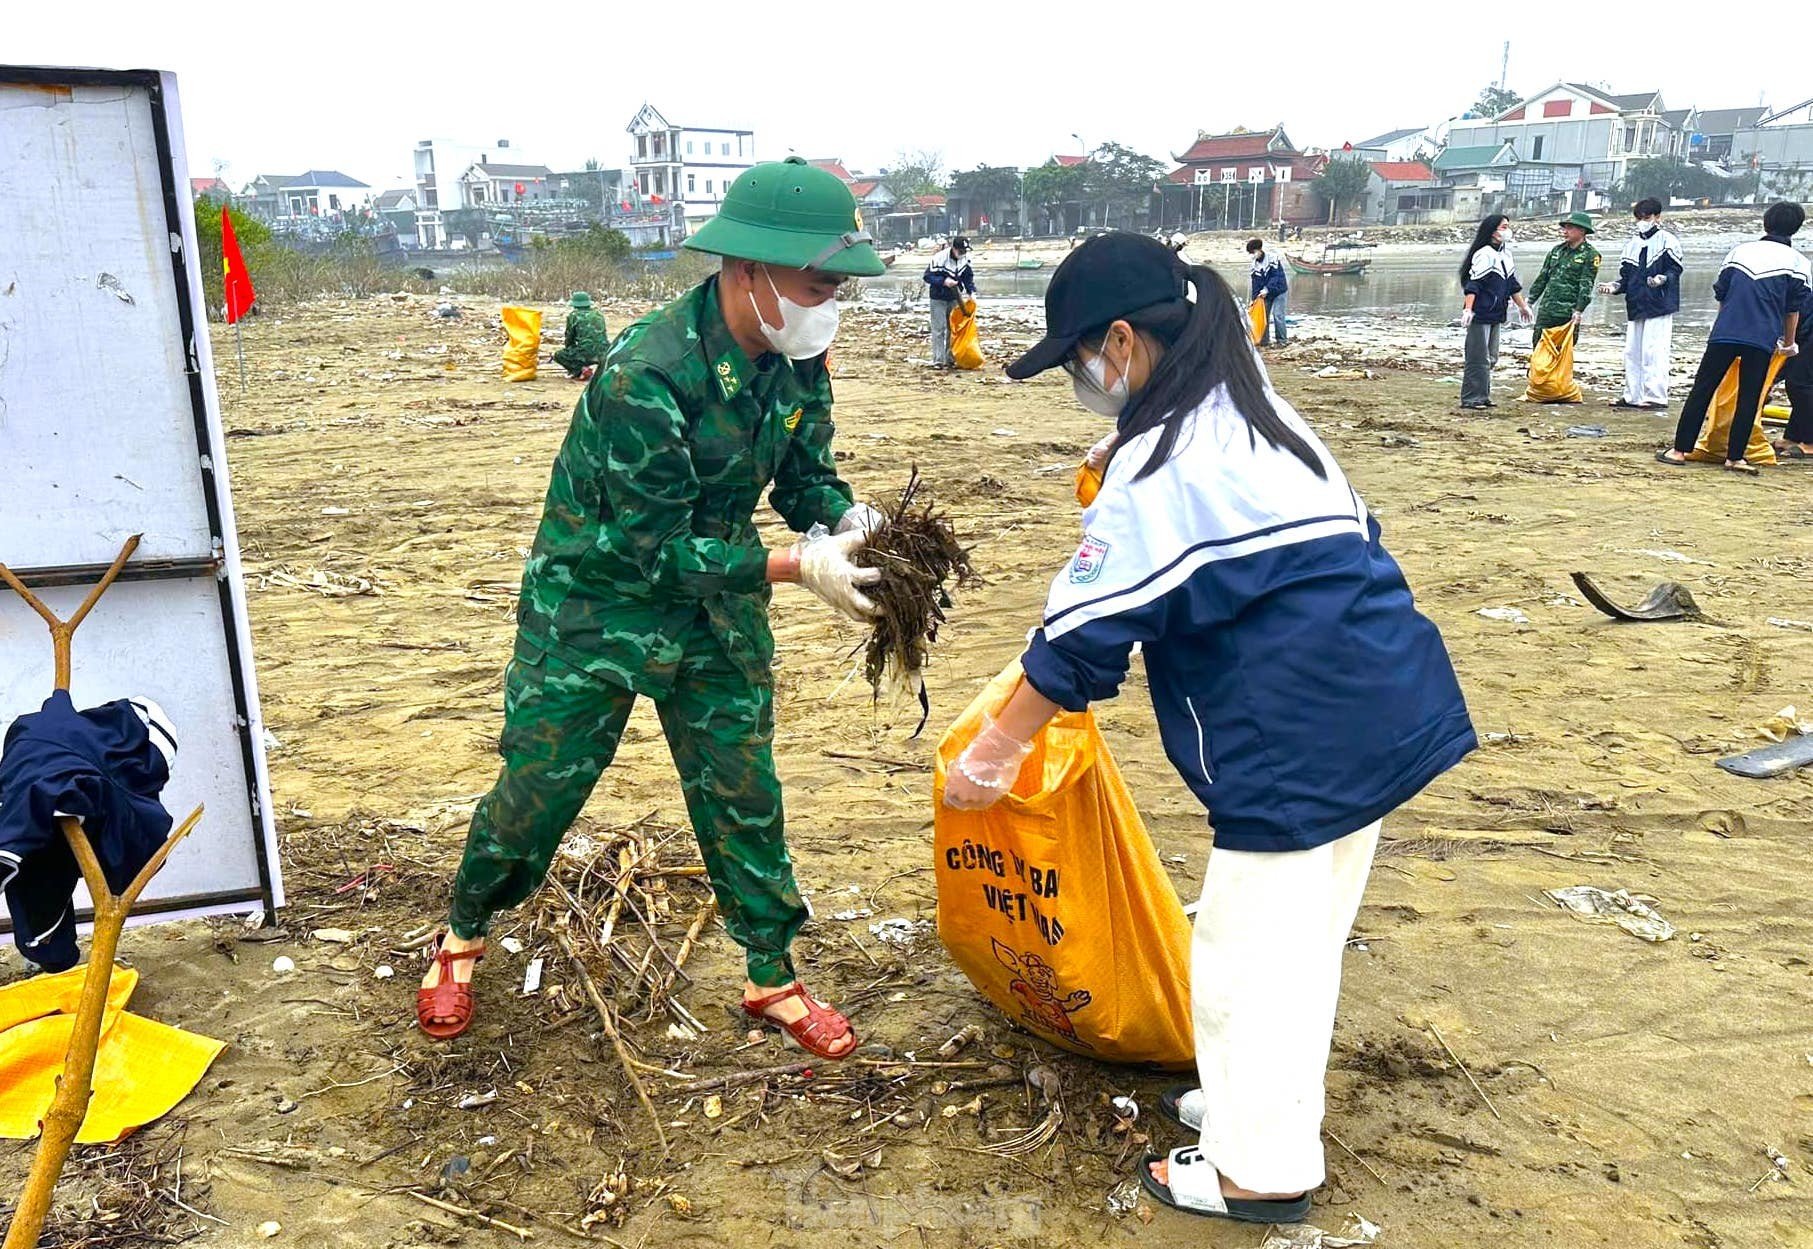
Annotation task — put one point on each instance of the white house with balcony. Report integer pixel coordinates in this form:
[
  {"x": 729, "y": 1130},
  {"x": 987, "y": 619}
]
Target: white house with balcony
[
  {"x": 687, "y": 167},
  {"x": 1572, "y": 142}
]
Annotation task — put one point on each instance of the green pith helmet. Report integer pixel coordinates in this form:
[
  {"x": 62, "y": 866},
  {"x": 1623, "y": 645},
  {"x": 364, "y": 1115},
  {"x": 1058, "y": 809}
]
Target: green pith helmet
[
  {"x": 581, "y": 300},
  {"x": 791, "y": 214},
  {"x": 1579, "y": 219}
]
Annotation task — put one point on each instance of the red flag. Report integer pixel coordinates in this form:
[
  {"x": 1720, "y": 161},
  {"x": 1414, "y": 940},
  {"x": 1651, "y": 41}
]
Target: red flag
[{"x": 238, "y": 283}]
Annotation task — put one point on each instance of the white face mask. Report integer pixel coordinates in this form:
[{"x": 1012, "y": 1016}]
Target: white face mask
[
  {"x": 1092, "y": 389},
  {"x": 804, "y": 332}
]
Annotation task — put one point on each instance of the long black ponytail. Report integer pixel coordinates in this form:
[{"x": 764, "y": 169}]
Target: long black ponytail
[{"x": 1207, "y": 344}]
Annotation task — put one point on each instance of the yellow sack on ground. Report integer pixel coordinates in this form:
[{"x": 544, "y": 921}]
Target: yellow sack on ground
[
  {"x": 1715, "y": 435},
  {"x": 966, "y": 344},
  {"x": 1552, "y": 368},
  {"x": 1255, "y": 312},
  {"x": 1053, "y": 901},
  {"x": 142, "y": 1069},
  {"x": 524, "y": 327}
]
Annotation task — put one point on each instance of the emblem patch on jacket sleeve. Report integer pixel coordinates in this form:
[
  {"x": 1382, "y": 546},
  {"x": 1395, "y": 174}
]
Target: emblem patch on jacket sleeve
[{"x": 1087, "y": 564}]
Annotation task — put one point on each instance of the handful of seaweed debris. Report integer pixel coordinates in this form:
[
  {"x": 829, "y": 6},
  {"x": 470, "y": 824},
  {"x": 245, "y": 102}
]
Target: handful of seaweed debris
[{"x": 919, "y": 556}]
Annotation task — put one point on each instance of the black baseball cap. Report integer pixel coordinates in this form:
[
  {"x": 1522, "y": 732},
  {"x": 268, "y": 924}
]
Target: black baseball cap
[{"x": 1106, "y": 278}]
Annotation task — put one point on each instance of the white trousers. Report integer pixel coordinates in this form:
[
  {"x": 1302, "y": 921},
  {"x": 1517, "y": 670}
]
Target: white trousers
[
  {"x": 1265, "y": 974},
  {"x": 1646, "y": 359}
]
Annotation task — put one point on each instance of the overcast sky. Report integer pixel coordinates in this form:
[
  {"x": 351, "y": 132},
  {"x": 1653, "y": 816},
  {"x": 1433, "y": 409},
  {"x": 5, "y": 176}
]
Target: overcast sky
[{"x": 280, "y": 89}]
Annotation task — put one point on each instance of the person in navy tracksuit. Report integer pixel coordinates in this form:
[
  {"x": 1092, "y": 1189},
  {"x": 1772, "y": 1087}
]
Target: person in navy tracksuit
[
  {"x": 1760, "y": 291},
  {"x": 1489, "y": 285},
  {"x": 1649, "y": 278},
  {"x": 1298, "y": 691},
  {"x": 949, "y": 278},
  {"x": 1270, "y": 279}
]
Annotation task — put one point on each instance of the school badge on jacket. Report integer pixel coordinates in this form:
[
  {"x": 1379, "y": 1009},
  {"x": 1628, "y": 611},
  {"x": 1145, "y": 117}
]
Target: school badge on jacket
[{"x": 1087, "y": 565}]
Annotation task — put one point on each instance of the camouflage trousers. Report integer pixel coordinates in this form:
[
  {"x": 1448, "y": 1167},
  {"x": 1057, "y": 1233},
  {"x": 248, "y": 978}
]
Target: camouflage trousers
[
  {"x": 561, "y": 730},
  {"x": 574, "y": 360}
]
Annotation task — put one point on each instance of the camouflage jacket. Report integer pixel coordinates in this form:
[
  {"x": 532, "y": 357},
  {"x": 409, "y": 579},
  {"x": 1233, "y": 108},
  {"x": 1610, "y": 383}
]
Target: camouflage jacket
[
  {"x": 649, "y": 518},
  {"x": 1565, "y": 285},
  {"x": 587, "y": 334}
]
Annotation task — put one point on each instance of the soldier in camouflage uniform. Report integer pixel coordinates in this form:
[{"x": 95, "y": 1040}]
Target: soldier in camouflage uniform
[
  {"x": 648, "y": 578},
  {"x": 1564, "y": 288},
  {"x": 587, "y": 339}
]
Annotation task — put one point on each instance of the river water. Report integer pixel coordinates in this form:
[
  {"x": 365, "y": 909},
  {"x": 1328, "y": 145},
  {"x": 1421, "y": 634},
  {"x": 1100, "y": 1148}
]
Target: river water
[{"x": 1417, "y": 288}]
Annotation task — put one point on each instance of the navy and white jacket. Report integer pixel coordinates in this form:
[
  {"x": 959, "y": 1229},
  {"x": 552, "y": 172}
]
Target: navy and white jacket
[
  {"x": 1269, "y": 276},
  {"x": 1299, "y": 693},
  {"x": 1656, "y": 254},
  {"x": 106, "y": 766},
  {"x": 1492, "y": 280},
  {"x": 943, "y": 266},
  {"x": 1761, "y": 283}
]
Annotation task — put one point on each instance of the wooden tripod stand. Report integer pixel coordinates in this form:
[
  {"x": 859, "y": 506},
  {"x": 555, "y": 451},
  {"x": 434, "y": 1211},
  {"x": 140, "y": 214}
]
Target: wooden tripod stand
[{"x": 75, "y": 1086}]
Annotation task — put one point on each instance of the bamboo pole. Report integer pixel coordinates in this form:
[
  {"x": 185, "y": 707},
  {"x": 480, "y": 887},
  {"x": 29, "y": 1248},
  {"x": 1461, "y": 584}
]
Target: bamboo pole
[{"x": 75, "y": 1086}]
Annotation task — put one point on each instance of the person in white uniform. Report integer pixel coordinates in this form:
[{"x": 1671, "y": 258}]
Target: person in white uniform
[
  {"x": 1649, "y": 278},
  {"x": 1298, "y": 691}
]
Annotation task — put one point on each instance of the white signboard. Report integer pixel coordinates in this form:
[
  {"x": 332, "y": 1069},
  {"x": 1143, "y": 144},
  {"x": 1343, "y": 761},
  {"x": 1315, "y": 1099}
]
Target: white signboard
[{"x": 109, "y": 427}]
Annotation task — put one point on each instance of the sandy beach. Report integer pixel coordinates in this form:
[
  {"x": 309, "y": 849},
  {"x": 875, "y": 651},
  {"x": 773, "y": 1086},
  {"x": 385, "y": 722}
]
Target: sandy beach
[{"x": 1504, "y": 1074}]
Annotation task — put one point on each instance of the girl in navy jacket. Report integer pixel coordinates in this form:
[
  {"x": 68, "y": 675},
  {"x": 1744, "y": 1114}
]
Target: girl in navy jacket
[{"x": 1298, "y": 691}]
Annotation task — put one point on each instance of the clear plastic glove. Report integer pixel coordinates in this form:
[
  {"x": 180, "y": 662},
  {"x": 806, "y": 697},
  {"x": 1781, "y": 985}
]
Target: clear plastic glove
[
  {"x": 986, "y": 770},
  {"x": 1526, "y": 315},
  {"x": 1097, "y": 458},
  {"x": 1787, "y": 348},
  {"x": 1660, "y": 279},
  {"x": 861, "y": 518},
  {"x": 825, "y": 569},
  {"x": 1466, "y": 317},
  {"x": 1575, "y": 319}
]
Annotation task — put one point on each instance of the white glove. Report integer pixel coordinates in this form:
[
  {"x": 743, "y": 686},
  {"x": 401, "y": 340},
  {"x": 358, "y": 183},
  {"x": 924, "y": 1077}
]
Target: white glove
[
  {"x": 1466, "y": 317},
  {"x": 1608, "y": 288},
  {"x": 861, "y": 518},
  {"x": 826, "y": 570},
  {"x": 1576, "y": 318},
  {"x": 1660, "y": 279},
  {"x": 986, "y": 770},
  {"x": 1787, "y": 348}
]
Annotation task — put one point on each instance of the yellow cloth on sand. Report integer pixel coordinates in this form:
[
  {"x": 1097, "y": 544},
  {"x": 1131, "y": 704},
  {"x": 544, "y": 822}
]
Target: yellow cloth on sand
[{"x": 142, "y": 1069}]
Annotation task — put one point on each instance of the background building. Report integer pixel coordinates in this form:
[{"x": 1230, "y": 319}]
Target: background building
[{"x": 686, "y": 167}]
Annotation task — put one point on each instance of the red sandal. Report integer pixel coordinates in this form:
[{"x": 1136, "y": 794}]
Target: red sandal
[
  {"x": 816, "y": 1032},
  {"x": 448, "y": 997}
]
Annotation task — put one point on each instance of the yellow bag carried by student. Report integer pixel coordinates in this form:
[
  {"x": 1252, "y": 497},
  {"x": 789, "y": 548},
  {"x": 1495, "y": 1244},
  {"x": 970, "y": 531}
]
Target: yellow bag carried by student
[
  {"x": 966, "y": 345},
  {"x": 1714, "y": 445},
  {"x": 1053, "y": 901},
  {"x": 524, "y": 327},
  {"x": 1552, "y": 368},
  {"x": 1255, "y": 312}
]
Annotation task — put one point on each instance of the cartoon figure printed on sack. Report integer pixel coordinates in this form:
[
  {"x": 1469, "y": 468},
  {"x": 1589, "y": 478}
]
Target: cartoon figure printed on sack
[{"x": 1036, "y": 985}]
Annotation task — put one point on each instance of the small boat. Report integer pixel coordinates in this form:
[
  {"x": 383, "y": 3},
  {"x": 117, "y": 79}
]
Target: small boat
[
  {"x": 1029, "y": 262},
  {"x": 1338, "y": 259}
]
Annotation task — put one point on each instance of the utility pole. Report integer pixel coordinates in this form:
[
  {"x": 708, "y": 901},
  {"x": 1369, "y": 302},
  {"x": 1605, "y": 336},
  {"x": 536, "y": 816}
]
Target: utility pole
[{"x": 1504, "y": 67}]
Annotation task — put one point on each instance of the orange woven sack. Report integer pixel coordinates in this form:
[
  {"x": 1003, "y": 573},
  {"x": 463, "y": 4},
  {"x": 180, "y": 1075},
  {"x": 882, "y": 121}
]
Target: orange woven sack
[{"x": 1054, "y": 903}]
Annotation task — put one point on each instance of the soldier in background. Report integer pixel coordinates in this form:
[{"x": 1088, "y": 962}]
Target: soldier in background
[
  {"x": 648, "y": 578},
  {"x": 587, "y": 339}
]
